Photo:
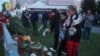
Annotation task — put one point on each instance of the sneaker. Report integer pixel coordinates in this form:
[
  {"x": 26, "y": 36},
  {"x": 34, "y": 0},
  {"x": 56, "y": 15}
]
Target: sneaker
[
  {"x": 44, "y": 33},
  {"x": 51, "y": 49},
  {"x": 49, "y": 53},
  {"x": 64, "y": 53}
]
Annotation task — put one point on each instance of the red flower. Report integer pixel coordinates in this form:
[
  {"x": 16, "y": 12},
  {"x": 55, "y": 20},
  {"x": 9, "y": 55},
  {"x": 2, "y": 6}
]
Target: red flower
[
  {"x": 4, "y": 20},
  {"x": 21, "y": 52},
  {"x": 20, "y": 39}
]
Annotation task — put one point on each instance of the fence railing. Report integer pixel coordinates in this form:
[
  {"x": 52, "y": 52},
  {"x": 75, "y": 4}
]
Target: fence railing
[{"x": 10, "y": 45}]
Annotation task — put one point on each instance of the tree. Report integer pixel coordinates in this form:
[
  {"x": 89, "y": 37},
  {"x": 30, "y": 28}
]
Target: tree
[
  {"x": 16, "y": 26},
  {"x": 17, "y": 6},
  {"x": 88, "y": 4},
  {"x": 98, "y": 7},
  {"x": 3, "y": 7}
]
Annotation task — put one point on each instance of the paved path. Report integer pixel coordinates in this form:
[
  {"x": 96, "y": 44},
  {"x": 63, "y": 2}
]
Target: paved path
[{"x": 96, "y": 30}]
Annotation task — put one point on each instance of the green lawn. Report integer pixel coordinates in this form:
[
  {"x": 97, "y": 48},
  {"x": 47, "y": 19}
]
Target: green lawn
[
  {"x": 92, "y": 48},
  {"x": 85, "y": 49}
]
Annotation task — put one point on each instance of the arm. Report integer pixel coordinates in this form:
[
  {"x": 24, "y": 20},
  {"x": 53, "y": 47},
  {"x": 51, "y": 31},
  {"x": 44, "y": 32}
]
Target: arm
[
  {"x": 26, "y": 16},
  {"x": 77, "y": 23},
  {"x": 91, "y": 18}
]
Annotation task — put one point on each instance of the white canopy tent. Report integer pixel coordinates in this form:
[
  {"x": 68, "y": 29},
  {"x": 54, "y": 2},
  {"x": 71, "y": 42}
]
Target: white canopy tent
[
  {"x": 58, "y": 7},
  {"x": 41, "y": 5}
]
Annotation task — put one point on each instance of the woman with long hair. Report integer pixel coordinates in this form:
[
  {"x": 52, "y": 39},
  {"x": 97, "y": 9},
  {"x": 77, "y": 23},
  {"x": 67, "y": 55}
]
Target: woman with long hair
[{"x": 61, "y": 48}]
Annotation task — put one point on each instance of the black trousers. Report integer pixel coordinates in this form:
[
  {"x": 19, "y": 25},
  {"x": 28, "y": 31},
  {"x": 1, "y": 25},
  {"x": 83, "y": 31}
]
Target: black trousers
[
  {"x": 56, "y": 38},
  {"x": 61, "y": 47},
  {"x": 35, "y": 29}
]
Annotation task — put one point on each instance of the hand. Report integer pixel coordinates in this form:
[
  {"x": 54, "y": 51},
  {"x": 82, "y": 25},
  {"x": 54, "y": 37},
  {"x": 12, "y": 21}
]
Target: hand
[
  {"x": 7, "y": 23},
  {"x": 64, "y": 28},
  {"x": 71, "y": 28},
  {"x": 59, "y": 40}
]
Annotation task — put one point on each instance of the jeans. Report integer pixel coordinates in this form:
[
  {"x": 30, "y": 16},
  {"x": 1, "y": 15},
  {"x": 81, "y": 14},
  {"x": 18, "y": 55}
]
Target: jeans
[
  {"x": 62, "y": 33},
  {"x": 44, "y": 25},
  {"x": 86, "y": 33}
]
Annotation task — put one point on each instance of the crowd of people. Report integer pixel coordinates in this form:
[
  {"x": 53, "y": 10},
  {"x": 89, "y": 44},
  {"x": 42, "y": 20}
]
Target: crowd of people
[
  {"x": 66, "y": 27},
  {"x": 67, "y": 31}
]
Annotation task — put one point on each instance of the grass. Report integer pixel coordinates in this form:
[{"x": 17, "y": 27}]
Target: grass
[
  {"x": 85, "y": 48},
  {"x": 92, "y": 48}
]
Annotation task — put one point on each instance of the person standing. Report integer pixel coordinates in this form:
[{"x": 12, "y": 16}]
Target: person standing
[
  {"x": 45, "y": 18},
  {"x": 55, "y": 28},
  {"x": 73, "y": 31},
  {"x": 25, "y": 20},
  {"x": 87, "y": 26},
  {"x": 34, "y": 19},
  {"x": 61, "y": 47}
]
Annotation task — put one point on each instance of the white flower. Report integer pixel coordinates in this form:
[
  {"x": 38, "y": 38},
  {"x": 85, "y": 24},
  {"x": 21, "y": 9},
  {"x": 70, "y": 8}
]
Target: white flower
[
  {"x": 45, "y": 49},
  {"x": 33, "y": 54},
  {"x": 49, "y": 53}
]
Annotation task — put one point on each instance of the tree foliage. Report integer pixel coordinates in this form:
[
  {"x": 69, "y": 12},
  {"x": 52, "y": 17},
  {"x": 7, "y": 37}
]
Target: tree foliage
[
  {"x": 16, "y": 26},
  {"x": 17, "y": 6},
  {"x": 88, "y": 4},
  {"x": 3, "y": 7},
  {"x": 98, "y": 7}
]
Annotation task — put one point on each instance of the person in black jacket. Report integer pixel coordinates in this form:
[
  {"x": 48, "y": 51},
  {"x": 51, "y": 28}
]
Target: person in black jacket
[
  {"x": 73, "y": 30},
  {"x": 25, "y": 20},
  {"x": 55, "y": 28},
  {"x": 34, "y": 19},
  {"x": 45, "y": 18}
]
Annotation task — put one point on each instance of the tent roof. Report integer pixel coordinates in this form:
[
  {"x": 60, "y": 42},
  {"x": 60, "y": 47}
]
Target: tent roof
[
  {"x": 38, "y": 4},
  {"x": 58, "y": 7},
  {"x": 41, "y": 5}
]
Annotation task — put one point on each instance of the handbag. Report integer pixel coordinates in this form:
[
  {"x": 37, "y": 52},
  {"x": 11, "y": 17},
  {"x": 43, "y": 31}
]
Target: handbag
[{"x": 69, "y": 33}]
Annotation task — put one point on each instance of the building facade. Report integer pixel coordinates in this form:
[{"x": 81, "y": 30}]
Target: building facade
[
  {"x": 13, "y": 2},
  {"x": 57, "y": 2},
  {"x": 49, "y": 2}
]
